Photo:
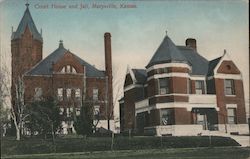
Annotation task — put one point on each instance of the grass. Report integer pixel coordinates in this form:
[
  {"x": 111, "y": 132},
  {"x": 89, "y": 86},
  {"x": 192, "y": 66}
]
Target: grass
[
  {"x": 69, "y": 145},
  {"x": 178, "y": 153}
]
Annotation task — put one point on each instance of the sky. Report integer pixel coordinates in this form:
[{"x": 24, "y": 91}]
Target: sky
[{"x": 136, "y": 32}]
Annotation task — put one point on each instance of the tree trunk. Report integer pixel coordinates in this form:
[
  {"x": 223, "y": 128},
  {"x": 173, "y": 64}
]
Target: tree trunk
[
  {"x": 108, "y": 124},
  {"x": 18, "y": 135},
  {"x": 52, "y": 133}
]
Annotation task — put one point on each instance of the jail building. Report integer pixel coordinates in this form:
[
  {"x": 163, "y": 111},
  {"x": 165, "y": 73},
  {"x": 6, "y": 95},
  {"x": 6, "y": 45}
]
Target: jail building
[
  {"x": 182, "y": 93},
  {"x": 62, "y": 75}
]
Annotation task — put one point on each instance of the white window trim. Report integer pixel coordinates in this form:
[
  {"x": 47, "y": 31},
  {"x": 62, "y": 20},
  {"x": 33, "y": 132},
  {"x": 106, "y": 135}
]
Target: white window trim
[
  {"x": 231, "y": 106},
  {"x": 157, "y": 76},
  {"x": 228, "y": 76},
  {"x": 183, "y": 65}
]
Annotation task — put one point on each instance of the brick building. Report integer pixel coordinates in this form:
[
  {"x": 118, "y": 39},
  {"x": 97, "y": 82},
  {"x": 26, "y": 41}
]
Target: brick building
[
  {"x": 182, "y": 93},
  {"x": 61, "y": 75}
]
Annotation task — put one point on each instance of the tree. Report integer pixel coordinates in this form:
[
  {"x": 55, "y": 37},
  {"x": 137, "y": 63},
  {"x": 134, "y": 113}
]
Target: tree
[
  {"x": 84, "y": 122},
  {"x": 44, "y": 117},
  {"x": 18, "y": 110},
  {"x": 4, "y": 94}
]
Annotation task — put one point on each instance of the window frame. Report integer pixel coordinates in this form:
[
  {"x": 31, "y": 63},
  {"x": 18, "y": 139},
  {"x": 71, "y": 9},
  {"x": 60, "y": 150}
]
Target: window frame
[
  {"x": 170, "y": 117},
  {"x": 68, "y": 69},
  {"x": 231, "y": 88},
  {"x": 231, "y": 116},
  {"x": 36, "y": 95},
  {"x": 68, "y": 93},
  {"x": 166, "y": 87},
  {"x": 78, "y": 93},
  {"x": 200, "y": 89},
  {"x": 95, "y": 94},
  {"x": 60, "y": 94}
]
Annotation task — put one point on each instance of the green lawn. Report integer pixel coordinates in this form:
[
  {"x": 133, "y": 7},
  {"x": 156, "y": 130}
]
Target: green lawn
[{"x": 178, "y": 153}]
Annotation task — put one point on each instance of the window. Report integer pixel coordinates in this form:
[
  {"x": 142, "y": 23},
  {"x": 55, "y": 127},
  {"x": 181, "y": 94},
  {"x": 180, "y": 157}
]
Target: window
[
  {"x": 229, "y": 87},
  {"x": 63, "y": 70},
  {"x": 200, "y": 119},
  {"x": 199, "y": 85},
  {"x": 60, "y": 94},
  {"x": 78, "y": 111},
  {"x": 96, "y": 110},
  {"x": 167, "y": 117},
  {"x": 95, "y": 94},
  {"x": 68, "y": 69},
  {"x": 68, "y": 92},
  {"x": 38, "y": 93},
  {"x": 73, "y": 70},
  {"x": 68, "y": 112},
  {"x": 231, "y": 116},
  {"x": 77, "y": 93},
  {"x": 61, "y": 111},
  {"x": 164, "y": 85}
]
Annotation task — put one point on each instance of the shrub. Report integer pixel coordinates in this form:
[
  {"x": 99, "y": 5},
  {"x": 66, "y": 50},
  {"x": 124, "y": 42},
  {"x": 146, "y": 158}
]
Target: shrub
[{"x": 35, "y": 145}]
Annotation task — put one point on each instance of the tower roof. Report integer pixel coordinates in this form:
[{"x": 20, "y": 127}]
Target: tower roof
[
  {"x": 166, "y": 52},
  {"x": 27, "y": 21}
]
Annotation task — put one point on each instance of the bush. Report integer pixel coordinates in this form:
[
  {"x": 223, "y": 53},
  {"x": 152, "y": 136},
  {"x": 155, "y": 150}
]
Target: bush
[{"x": 34, "y": 145}]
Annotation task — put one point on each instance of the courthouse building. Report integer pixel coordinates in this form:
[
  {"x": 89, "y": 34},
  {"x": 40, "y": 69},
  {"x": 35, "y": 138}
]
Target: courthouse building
[{"x": 62, "y": 75}]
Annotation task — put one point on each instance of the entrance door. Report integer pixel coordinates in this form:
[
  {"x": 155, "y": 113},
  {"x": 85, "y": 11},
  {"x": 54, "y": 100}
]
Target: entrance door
[
  {"x": 202, "y": 120},
  {"x": 207, "y": 117}
]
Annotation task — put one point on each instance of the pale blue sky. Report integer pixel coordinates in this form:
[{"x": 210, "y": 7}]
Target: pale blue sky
[{"x": 136, "y": 33}]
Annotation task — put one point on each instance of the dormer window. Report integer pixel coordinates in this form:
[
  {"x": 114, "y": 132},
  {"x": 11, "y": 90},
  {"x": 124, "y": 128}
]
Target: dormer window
[{"x": 68, "y": 69}]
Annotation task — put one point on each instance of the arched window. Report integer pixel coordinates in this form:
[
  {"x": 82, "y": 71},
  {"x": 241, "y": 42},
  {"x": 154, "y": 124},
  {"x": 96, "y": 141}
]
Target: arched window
[{"x": 68, "y": 69}]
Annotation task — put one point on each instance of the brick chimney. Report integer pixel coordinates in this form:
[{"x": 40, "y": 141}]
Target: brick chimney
[
  {"x": 190, "y": 42},
  {"x": 108, "y": 73}
]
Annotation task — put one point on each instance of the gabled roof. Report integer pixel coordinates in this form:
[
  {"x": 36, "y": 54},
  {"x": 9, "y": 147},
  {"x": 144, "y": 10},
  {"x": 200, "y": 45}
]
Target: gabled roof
[
  {"x": 198, "y": 63},
  {"x": 45, "y": 66},
  {"x": 27, "y": 21},
  {"x": 212, "y": 65},
  {"x": 166, "y": 52},
  {"x": 140, "y": 75}
]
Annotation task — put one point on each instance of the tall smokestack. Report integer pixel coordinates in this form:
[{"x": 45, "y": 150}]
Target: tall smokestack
[
  {"x": 108, "y": 73},
  {"x": 190, "y": 42}
]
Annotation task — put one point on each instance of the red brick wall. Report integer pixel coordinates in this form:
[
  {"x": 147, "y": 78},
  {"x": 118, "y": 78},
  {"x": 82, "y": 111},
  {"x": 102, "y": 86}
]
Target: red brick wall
[
  {"x": 238, "y": 99},
  {"x": 179, "y": 85},
  {"x": 26, "y": 52},
  {"x": 68, "y": 59},
  {"x": 154, "y": 117},
  {"x": 130, "y": 97},
  {"x": 167, "y": 99},
  {"x": 31, "y": 82},
  {"x": 50, "y": 85},
  {"x": 182, "y": 116},
  {"x": 228, "y": 67}
]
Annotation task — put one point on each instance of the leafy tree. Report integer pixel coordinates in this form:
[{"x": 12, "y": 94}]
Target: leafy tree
[
  {"x": 44, "y": 117},
  {"x": 84, "y": 122}
]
